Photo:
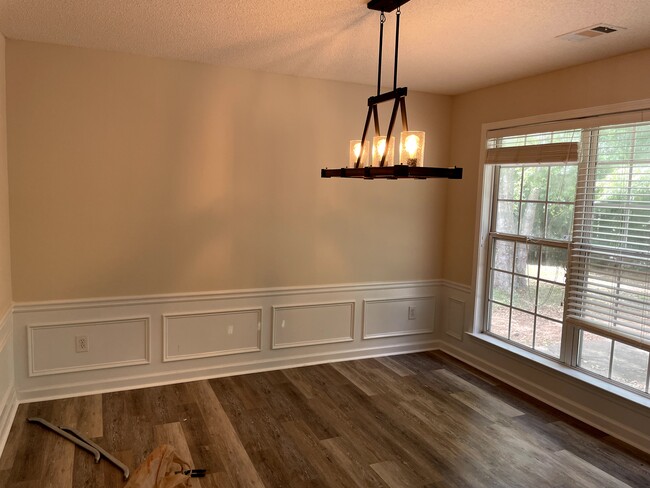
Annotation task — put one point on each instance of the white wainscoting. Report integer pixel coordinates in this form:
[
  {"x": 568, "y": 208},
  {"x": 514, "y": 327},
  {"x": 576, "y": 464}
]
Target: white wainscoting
[
  {"x": 390, "y": 317},
  {"x": 8, "y": 399},
  {"x": 455, "y": 318},
  {"x": 456, "y": 313},
  {"x": 205, "y": 335},
  {"x": 209, "y": 334},
  {"x": 113, "y": 343},
  {"x": 312, "y": 324},
  {"x": 595, "y": 406}
]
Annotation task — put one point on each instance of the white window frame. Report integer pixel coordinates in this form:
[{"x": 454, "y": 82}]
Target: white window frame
[
  {"x": 626, "y": 112},
  {"x": 493, "y": 235}
]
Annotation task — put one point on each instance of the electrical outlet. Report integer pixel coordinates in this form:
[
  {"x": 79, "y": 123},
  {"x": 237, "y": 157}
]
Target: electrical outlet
[
  {"x": 411, "y": 313},
  {"x": 82, "y": 344}
]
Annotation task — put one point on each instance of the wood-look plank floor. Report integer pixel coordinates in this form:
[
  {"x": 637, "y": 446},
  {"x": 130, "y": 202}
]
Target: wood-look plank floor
[{"x": 416, "y": 420}]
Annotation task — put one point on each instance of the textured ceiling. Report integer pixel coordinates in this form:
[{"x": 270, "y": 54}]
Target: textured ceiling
[{"x": 447, "y": 46}]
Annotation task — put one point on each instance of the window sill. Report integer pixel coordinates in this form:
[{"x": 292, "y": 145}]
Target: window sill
[{"x": 544, "y": 363}]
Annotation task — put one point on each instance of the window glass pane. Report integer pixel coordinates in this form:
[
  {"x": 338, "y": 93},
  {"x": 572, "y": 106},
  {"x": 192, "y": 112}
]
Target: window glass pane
[
  {"x": 501, "y": 287},
  {"x": 642, "y": 143},
  {"x": 532, "y": 219},
  {"x": 548, "y": 336},
  {"x": 630, "y": 366},
  {"x": 562, "y": 183},
  {"x": 499, "y": 319},
  {"x": 524, "y": 293},
  {"x": 504, "y": 252},
  {"x": 638, "y": 228},
  {"x": 559, "y": 220},
  {"x": 554, "y": 263},
  {"x": 509, "y": 183},
  {"x": 550, "y": 300},
  {"x": 521, "y": 327},
  {"x": 595, "y": 353},
  {"x": 535, "y": 183},
  {"x": 507, "y": 217},
  {"x": 527, "y": 259},
  {"x": 606, "y": 226},
  {"x": 641, "y": 188},
  {"x": 614, "y": 144}
]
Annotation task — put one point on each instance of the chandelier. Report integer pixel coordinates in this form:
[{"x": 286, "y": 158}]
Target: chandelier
[{"x": 379, "y": 161}]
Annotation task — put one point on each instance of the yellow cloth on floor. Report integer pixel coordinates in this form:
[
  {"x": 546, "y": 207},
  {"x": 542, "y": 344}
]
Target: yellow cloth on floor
[{"x": 161, "y": 469}]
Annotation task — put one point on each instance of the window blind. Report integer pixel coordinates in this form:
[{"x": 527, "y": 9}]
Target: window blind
[
  {"x": 609, "y": 287},
  {"x": 538, "y": 153}
]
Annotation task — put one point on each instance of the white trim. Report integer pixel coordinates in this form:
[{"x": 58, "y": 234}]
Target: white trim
[
  {"x": 224, "y": 352},
  {"x": 452, "y": 285},
  {"x": 381, "y": 335},
  {"x": 620, "y": 396},
  {"x": 54, "y": 305},
  {"x": 7, "y": 414},
  {"x": 75, "y": 389},
  {"x": 146, "y": 320},
  {"x": 610, "y": 109},
  {"x": 6, "y": 328},
  {"x": 549, "y": 397},
  {"x": 275, "y": 308}
]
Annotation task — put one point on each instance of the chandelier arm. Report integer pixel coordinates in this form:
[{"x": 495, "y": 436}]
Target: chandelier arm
[
  {"x": 382, "y": 19},
  {"x": 363, "y": 137},
  {"x": 393, "y": 115},
  {"x": 397, "y": 15},
  {"x": 405, "y": 122},
  {"x": 375, "y": 115}
]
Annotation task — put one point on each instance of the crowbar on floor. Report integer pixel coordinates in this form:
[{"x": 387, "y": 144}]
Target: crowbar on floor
[{"x": 77, "y": 438}]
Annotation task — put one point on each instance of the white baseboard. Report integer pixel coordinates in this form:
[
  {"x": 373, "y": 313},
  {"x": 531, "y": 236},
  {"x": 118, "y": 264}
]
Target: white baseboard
[
  {"x": 67, "y": 390},
  {"x": 7, "y": 414},
  {"x": 599, "y": 420}
]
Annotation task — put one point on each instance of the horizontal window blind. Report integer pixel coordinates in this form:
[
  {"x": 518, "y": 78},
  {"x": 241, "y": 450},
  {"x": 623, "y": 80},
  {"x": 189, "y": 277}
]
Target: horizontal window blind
[
  {"x": 609, "y": 287},
  {"x": 539, "y": 153}
]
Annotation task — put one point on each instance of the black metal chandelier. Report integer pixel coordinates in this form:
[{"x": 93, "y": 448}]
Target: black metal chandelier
[{"x": 379, "y": 162}]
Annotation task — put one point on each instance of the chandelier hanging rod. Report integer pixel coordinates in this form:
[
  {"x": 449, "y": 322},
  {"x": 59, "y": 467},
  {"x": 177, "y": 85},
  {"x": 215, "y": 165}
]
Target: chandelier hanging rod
[
  {"x": 397, "y": 94},
  {"x": 382, "y": 20}
]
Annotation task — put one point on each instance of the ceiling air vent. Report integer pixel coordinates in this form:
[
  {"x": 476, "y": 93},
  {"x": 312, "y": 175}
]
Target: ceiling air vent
[{"x": 590, "y": 32}]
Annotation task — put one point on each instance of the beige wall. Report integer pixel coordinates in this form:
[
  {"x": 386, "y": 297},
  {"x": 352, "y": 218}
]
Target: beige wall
[
  {"x": 132, "y": 175},
  {"x": 5, "y": 258},
  {"x": 618, "y": 79}
]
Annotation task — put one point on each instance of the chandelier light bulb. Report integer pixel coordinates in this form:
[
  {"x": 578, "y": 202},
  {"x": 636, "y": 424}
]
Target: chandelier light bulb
[
  {"x": 356, "y": 150},
  {"x": 411, "y": 151},
  {"x": 411, "y": 145},
  {"x": 379, "y": 149}
]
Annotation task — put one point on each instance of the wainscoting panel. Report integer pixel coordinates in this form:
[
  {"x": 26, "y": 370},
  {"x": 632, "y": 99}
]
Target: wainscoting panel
[
  {"x": 112, "y": 343},
  {"x": 398, "y": 317},
  {"x": 209, "y": 334},
  {"x": 455, "y": 318},
  {"x": 311, "y": 324}
]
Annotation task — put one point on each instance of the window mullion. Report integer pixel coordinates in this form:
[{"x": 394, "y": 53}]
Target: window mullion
[{"x": 588, "y": 150}]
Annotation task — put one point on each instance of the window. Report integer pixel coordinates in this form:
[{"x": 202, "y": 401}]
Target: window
[
  {"x": 568, "y": 274},
  {"x": 529, "y": 242}
]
